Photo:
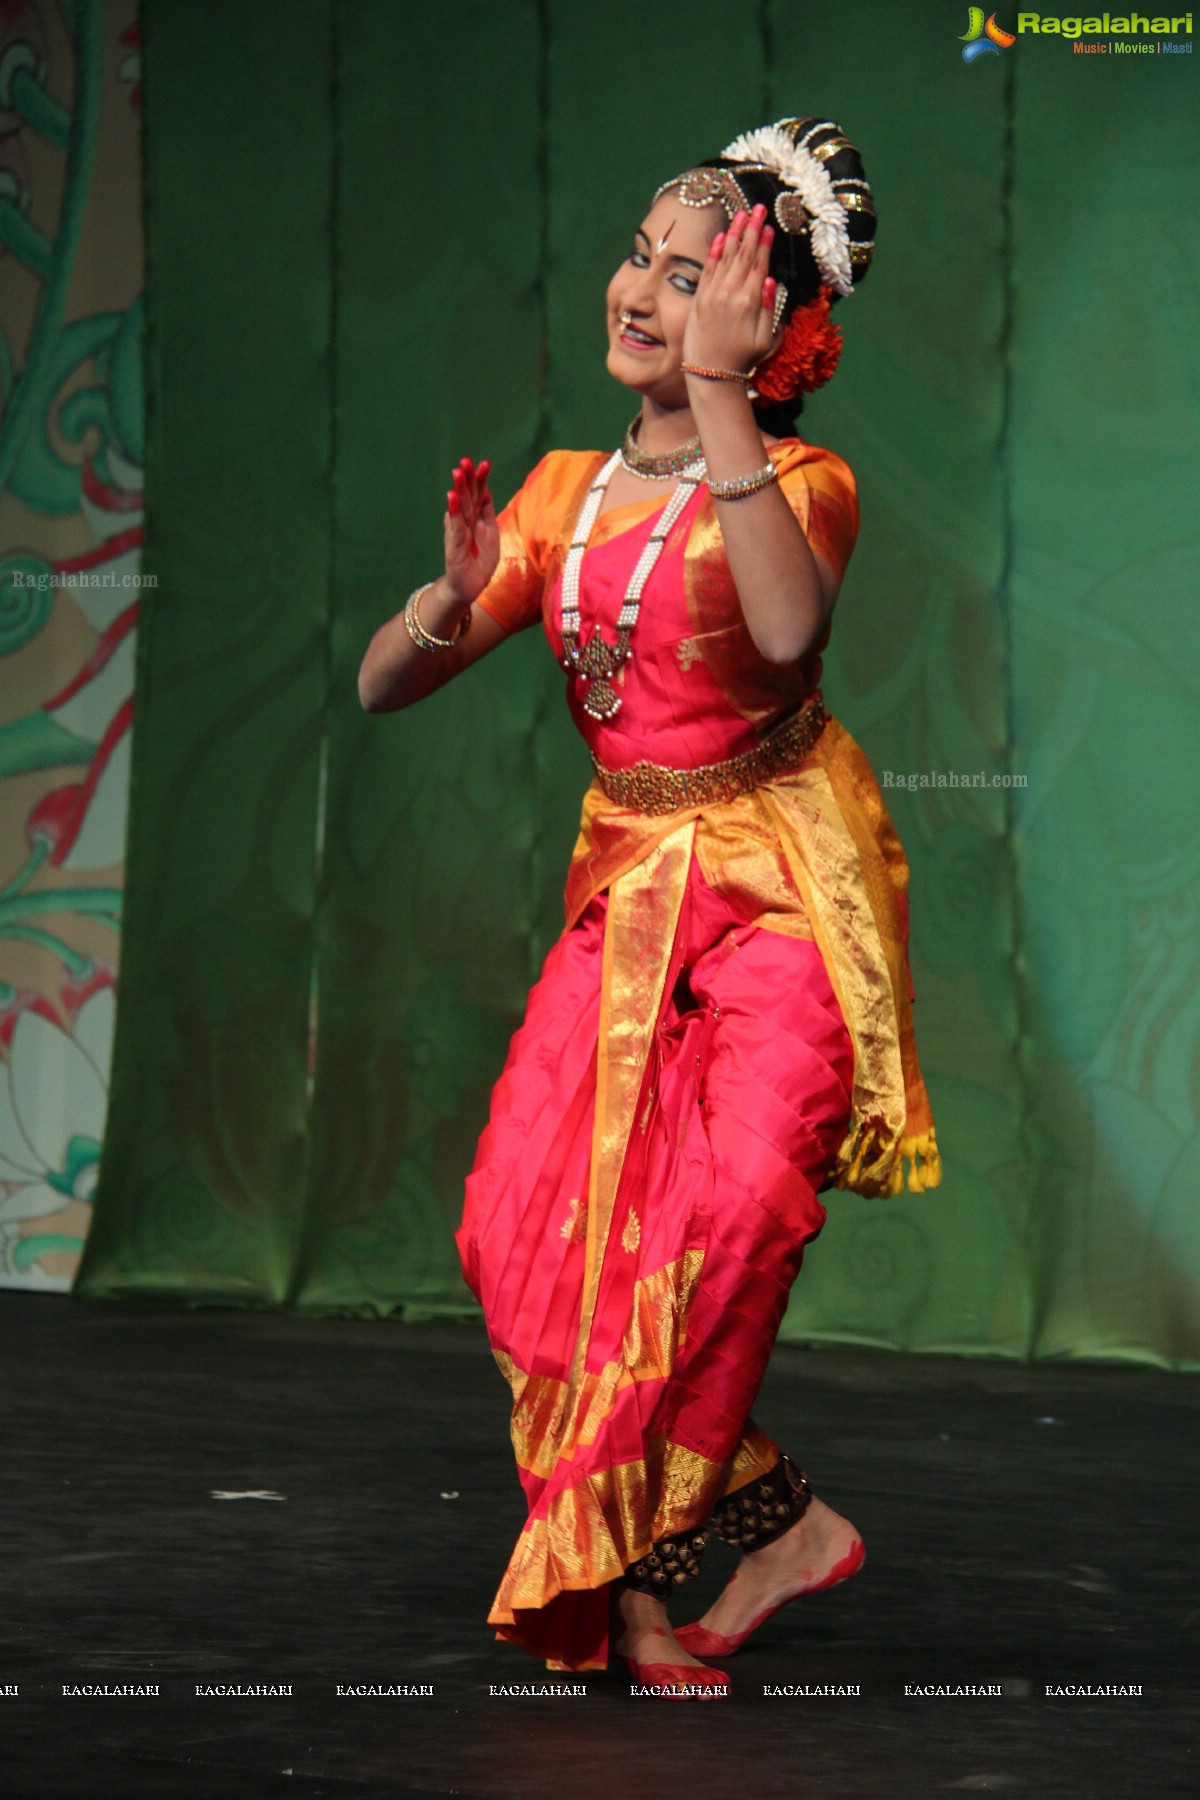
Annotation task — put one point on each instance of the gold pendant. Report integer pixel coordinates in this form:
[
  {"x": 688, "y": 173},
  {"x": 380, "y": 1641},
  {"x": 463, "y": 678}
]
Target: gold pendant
[
  {"x": 599, "y": 658},
  {"x": 602, "y": 699}
]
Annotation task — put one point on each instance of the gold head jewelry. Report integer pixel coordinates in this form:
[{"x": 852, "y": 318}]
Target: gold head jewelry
[
  {"x": 812, "y": 202},
  {"x": 703, "y": 187}
]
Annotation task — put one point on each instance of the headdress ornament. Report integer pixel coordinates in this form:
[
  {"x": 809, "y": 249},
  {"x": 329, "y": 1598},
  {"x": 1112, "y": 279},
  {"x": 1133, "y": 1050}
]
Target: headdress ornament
[{"x": 810, "y": 199}]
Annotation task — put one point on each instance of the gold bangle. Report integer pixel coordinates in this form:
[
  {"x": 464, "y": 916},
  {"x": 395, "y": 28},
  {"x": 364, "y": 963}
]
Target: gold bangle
[
  {"x": 719, "y": 374},
  {"x": 425, "y": 640},
  {"x": 739, "y": 486}
]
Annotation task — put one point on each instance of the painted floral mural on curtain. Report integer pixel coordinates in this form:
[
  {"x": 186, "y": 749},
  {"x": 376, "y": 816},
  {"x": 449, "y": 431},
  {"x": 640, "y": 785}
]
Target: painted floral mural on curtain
[{"x": 71, "y": 456}]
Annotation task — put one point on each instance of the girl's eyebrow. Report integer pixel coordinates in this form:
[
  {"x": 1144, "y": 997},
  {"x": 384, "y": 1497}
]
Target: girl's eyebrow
[{"x": 690, "y": 260}]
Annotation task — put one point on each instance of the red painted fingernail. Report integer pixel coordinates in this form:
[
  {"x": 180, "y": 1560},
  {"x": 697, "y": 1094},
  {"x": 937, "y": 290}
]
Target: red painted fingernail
[
  {"x": 487, "y": 500},
  {"x": 453, "y": 505},
  {"x": 768, "y": 235},
  {"x": 768, "y": 295},
  {"x": 717, "y": 245},
  {"x": 484, "y": 469}
]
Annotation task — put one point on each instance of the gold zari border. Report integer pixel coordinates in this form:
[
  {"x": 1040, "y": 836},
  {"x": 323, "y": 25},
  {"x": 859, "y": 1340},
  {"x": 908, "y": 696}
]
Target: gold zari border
[
  {"x": 548, "y": 1416},
  {"x": 593, "y": 1531},
  {"x": 639, "y": 937}
]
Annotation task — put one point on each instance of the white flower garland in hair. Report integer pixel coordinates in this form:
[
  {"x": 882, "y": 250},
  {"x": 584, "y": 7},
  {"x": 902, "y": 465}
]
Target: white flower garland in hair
[{"x": 798, "y": 169}]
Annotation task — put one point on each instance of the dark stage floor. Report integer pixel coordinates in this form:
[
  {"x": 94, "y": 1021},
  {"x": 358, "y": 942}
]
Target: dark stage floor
[{"x": 1024, "y": 1527}]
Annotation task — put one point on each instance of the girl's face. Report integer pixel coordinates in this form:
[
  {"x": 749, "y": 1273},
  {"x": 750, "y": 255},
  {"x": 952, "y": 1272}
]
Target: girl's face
[{"x": 650, "y": 295}]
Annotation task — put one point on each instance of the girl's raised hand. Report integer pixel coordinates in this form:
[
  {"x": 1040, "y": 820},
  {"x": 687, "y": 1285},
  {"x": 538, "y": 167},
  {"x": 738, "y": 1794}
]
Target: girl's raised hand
[
  {"x": 471, "y": 533},
  {"x": 730, "y": 322}
]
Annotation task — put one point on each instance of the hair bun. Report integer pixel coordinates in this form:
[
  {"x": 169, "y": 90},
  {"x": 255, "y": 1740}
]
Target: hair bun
[{"x": 825, "y": 141}]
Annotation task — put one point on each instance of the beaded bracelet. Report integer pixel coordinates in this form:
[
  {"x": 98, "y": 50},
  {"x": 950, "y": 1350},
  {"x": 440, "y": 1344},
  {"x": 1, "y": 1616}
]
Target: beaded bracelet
[
  {"x": 719, "y": 374},
  {"x": 425, "y": 640},
  {"x": 741, "y": 485}
]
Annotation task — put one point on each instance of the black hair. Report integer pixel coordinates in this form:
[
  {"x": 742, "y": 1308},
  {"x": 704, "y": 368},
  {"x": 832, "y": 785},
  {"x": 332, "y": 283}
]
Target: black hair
[{"x": 792, "y": 261}]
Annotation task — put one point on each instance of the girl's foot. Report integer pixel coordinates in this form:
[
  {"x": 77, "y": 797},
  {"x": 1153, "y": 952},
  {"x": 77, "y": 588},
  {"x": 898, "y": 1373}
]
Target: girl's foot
[
  {"x": 642, "y": 1637},
  {"x": 820, "y": 1550}
]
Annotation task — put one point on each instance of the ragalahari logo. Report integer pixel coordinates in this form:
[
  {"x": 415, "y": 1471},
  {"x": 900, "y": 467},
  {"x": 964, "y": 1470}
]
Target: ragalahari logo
[{"x": 981, "y": 39}]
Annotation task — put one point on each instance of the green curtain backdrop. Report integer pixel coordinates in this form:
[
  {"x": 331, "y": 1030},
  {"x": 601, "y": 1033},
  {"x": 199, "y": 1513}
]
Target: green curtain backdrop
[{"x": 379, "y": 238}]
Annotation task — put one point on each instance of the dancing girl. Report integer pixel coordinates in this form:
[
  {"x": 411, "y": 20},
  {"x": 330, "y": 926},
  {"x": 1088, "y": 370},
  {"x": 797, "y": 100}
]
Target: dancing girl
[{"x": 723, "y": 1030}]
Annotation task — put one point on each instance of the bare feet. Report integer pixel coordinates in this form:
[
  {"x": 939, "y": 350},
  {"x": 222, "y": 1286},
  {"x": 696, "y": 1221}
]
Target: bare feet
[
  {"x": 642, "y": 1631},
  {"x": 799, "y": 1561}
]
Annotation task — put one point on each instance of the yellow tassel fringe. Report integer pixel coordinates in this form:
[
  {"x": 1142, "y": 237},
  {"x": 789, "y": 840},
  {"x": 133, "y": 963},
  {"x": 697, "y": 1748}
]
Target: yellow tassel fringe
[{"x": 869, "y": 1165}]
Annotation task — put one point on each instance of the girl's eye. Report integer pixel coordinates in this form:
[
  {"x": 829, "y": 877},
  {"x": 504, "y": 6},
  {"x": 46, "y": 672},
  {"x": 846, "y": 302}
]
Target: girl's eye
[{"x": 684, "y": 284}]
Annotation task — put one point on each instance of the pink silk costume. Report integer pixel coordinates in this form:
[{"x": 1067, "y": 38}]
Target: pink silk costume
[{"x": 723, "y": 1028}]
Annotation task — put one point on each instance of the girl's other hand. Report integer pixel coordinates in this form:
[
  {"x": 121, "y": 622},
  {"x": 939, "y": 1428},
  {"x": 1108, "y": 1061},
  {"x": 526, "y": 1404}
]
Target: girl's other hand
[{"x": 472, "y": 537}]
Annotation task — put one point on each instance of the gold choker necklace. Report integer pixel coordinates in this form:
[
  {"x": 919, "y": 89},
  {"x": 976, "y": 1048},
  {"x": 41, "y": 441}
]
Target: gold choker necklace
[{"x": 657, "y": 468}]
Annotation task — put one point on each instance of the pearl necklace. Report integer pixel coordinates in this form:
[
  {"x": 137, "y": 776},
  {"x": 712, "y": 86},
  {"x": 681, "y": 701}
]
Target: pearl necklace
[{"x": 599, "y": 661}]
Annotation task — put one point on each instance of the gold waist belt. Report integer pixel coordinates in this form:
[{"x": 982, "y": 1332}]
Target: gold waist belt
[{"x": 650, "y": 788}]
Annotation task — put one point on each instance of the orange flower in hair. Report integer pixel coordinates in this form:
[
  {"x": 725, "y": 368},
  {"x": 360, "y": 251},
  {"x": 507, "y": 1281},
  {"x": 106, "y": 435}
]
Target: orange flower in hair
[{"x": 807, "y": 355}]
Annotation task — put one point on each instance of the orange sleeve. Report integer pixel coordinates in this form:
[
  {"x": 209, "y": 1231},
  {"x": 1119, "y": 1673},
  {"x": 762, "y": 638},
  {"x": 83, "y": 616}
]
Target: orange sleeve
[
  {"x": 531, "y": 527},
  {"x": 823, "y": 494}
]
